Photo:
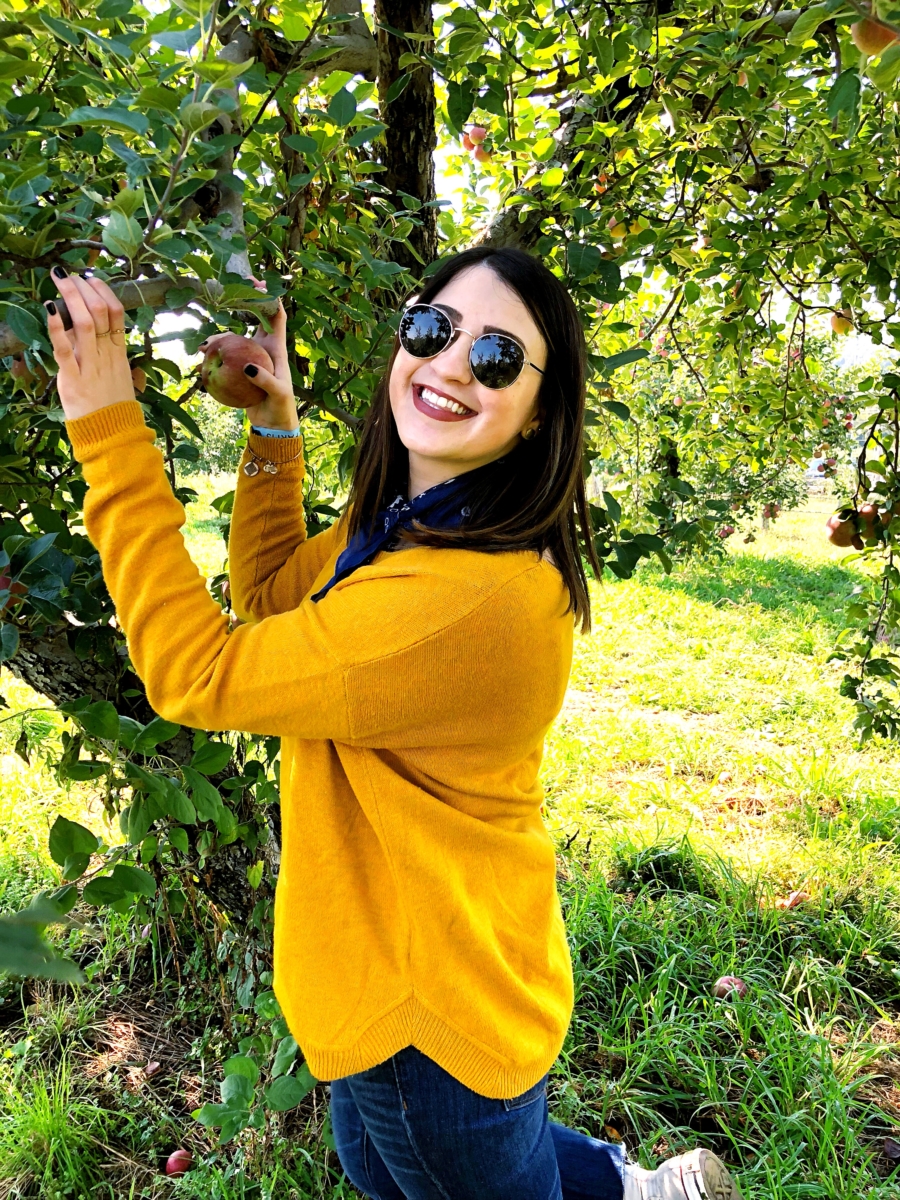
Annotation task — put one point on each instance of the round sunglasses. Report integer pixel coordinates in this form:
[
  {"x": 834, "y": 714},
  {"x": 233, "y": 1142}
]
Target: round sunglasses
[{"x": 495, "y": 360}]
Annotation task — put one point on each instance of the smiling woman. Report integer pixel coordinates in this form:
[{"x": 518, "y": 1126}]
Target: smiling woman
[{"x": 421, "y": 959}]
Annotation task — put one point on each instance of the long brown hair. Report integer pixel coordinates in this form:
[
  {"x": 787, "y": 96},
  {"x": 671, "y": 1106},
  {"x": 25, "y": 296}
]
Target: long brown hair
[{"x": 535, "y": 500}]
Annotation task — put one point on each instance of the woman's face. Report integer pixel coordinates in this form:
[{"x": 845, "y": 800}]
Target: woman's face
[{"x": 442, "y": 442}]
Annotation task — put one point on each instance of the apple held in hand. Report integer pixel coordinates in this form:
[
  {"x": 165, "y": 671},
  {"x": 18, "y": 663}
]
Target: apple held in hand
[{"x": 222, "y": 372}]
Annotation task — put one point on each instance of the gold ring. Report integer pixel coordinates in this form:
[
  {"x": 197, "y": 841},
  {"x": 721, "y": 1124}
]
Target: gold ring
[
  {"x": 117, "y": 331},
  {"x": 108, "y": 332}
]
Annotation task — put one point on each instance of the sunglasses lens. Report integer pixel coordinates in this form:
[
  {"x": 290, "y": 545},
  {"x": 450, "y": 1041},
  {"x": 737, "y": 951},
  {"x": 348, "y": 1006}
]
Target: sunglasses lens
[
  {"x": 424, "y": 331},
  {"x": 497, "y": 361}
]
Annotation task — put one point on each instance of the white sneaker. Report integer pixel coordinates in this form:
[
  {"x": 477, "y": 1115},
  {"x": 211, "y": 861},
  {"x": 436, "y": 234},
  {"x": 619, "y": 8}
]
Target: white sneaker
[{"x": 698, "y": 1175}]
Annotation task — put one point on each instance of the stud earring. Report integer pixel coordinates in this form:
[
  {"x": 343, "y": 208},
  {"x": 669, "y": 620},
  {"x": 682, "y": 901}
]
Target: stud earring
[{"x": 529, "y": 434}]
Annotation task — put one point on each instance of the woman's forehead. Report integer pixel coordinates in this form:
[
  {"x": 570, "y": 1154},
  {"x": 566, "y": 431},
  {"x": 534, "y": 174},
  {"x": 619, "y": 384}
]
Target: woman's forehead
[{"x": 478, "y": 294}]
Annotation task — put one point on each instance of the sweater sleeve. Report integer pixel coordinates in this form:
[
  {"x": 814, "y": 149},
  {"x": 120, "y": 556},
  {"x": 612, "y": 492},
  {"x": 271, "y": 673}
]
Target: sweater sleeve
[
  {"x": 271, "y": 562},
  {"x": 385, "y": 659}
]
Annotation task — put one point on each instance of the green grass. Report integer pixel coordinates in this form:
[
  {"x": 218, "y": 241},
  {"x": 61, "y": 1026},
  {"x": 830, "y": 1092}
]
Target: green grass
[{"x": 701, "y": 770}]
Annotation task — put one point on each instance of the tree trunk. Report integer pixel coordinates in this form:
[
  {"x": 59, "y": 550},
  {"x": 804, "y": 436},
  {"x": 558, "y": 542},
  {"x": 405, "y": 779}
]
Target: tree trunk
[{"x": 410, "y": 136}]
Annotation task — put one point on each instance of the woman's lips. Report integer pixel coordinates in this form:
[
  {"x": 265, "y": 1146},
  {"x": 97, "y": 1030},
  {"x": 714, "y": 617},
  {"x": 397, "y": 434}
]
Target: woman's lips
[{"x": 432, "y": 410}]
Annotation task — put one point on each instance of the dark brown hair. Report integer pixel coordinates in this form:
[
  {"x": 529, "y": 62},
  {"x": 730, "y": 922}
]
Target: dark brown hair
[{"x": 535, "y": 500}]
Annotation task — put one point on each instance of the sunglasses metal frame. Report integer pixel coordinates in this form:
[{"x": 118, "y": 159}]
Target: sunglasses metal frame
[{"x": 455, "y": 329}]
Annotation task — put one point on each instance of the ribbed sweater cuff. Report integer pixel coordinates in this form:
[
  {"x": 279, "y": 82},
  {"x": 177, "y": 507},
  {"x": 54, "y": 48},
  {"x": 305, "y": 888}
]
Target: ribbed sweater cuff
[
  {"x": 277, "y": 450},
  {"x": 91, "y": 433}
]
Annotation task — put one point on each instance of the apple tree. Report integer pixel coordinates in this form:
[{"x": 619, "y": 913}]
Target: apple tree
[{"x": 718, "y": 186}]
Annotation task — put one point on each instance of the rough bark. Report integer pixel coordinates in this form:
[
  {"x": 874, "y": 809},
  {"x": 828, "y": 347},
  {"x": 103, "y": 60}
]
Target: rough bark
[{"x": 410, "y": 137}]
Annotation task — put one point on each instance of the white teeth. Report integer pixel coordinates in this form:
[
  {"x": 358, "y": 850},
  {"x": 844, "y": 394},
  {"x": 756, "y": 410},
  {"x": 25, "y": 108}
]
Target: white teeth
[{"x": 442, "y": 401}]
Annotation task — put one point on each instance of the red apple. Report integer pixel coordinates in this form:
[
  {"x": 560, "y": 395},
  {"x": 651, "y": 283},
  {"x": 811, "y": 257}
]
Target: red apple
[
  {"x": 482, "y": 155},
  {"x": 467, "y": 142},
  {"x": 477, "y": 134},
  {"x": 871, "y": 36},
  {"x": 727, "y": 985},
  {"x": 222, "y": 372},
  {"x": 179, "y": 1162}
]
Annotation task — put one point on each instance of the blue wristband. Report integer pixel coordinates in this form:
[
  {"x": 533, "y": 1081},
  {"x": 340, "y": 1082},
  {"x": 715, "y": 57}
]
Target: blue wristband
[{"x": 275, "y": 432}]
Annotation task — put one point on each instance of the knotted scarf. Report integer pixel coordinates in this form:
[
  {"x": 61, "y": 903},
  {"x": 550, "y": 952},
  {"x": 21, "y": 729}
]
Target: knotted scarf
[{"x": 443, "y": 506}]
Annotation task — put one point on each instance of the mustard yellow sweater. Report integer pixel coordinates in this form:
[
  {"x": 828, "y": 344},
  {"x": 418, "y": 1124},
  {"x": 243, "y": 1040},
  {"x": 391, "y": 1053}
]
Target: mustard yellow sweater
[{"x": 416, "y": 902}]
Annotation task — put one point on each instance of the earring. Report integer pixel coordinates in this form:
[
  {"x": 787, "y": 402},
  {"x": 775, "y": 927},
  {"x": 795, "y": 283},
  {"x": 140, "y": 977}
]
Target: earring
[{"x": 528, "y": 434}]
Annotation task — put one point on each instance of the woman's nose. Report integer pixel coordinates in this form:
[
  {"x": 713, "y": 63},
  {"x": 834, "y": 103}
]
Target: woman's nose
[{"x": 453, "y": 363}]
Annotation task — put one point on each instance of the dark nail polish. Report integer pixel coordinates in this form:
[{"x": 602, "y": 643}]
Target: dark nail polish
[
  {"x": 50, "y": 307},
  {"x": 251, "y": 370},
  {"x": 60, "y": 273}
]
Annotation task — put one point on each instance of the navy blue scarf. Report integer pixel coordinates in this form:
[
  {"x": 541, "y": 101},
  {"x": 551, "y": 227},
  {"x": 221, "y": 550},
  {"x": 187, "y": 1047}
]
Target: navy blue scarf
[{"x": 443, "y": 506}]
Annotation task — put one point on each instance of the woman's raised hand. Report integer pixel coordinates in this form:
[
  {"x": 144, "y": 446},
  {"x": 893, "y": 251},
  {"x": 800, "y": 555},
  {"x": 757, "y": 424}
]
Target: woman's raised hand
[
  {"x": 91, "y": 356},
  {"x": 279, "y": 409}
]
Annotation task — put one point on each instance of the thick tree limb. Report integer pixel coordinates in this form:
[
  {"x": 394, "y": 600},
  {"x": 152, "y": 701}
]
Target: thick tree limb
[{"x": 134, "y": 293}]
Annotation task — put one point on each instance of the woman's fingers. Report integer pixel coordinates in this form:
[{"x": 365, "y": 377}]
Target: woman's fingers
[
  {"x": 82, "y": 320},
  {"x": 115, "y": 311},
  {"x": 61, "y": 341},
  {"x": 264, "y": 379}
]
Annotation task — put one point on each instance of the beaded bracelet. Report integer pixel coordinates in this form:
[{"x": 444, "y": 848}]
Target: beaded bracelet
[{"x": 269, "y": 467}]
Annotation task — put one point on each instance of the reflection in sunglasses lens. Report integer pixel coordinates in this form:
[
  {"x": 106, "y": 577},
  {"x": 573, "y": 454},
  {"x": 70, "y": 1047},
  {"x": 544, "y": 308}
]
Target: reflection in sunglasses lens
[
  {"x": 424, "y": 332},
  {"x": 496, "y": 360}
]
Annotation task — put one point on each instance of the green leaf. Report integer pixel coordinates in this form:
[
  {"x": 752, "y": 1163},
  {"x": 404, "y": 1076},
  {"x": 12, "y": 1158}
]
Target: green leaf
[
  {"x": 179, "y": 807},
  {"x": 807, "y": 24},
  {"x": 884, "y": 71},
  {"x": 241, "y": 1064},
  {"x": 843, "y": 96},
  {"x": 397, "y": 88},
  {"x": 122, "y": 235},
  {"x": 110, "y": 118},
  {"x": 138, "y": 820},
  {"x": 255, "y": 874},
  {"x": 206, "y": 797},
  {"x": 75, "y": 866},
  {"x": 284, "y": 1056},
  {"x": 612, "y": 507},
  {"x": 367, "y": 134},
  {"x": 134, "y": 880},
  {"x": 23, "y": 949},
  {"x": 342, "y": 107},
  {"x": 617, "y": 408},
  {"x": 623, "y": 359},
  {"x": 68, "y": 838},
  {"x": 460, "y": 101},
  {"x": 237, "y": 1091},
  {"x": 583, "y": 260},
  {"x": 221, "y": 72},
  {"x": 287, "y": 1092},
  {"x": 212, "y": 758},
  {"x": 154, "y": 734},
  {"x": 64, "y": 30},
  {"x": 304, "y": 144},
  {"x": 179, "y": 839},
  {"x": 266, "y": 1006},
  {"x": 103, "y": 890},
  {"x": 101, "y": 720},
  {"x": 9, "y": 641}
]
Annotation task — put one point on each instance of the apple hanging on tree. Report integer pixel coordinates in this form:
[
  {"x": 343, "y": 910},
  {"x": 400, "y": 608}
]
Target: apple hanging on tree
[{"x": 871, "y": 37}]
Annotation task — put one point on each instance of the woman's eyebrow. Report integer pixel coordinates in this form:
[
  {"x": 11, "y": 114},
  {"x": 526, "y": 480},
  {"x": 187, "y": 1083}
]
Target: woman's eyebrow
[{"x": 456, "y": 315}]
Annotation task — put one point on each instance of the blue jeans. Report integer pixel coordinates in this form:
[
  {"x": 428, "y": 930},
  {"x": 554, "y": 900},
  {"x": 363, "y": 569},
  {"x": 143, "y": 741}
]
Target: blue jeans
[{"x": 407, "y": 1130}]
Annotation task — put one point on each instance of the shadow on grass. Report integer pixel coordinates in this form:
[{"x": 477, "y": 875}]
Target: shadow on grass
[{"x": 777, "y": 584}]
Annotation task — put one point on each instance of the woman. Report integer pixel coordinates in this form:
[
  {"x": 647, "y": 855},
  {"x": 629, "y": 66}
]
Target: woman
[{"x": 411, "y": 658}]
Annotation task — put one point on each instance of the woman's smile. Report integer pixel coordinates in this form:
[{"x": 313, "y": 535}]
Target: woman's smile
[{"x": 439, "y": 405}]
